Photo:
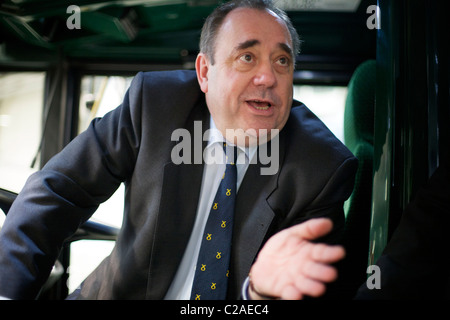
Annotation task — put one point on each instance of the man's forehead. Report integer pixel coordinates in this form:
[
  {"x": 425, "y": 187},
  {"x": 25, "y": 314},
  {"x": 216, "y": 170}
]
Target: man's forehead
[{"x": 243, "y": 26}]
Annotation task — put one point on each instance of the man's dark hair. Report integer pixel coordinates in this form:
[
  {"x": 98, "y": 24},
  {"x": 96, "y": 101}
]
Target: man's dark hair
[{"x": 215, "y": 19}]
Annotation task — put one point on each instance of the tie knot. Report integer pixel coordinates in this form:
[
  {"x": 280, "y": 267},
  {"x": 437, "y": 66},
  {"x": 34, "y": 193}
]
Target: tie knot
[{"x": 231, "y": 153}]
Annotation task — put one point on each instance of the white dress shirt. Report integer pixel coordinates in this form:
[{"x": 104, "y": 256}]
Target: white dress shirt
[{"x": 213, "y": 170}]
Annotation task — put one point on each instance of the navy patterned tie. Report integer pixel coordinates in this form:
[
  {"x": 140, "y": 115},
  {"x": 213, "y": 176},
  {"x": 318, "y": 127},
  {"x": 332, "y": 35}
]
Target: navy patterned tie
[{"x": 211, "y": 274}]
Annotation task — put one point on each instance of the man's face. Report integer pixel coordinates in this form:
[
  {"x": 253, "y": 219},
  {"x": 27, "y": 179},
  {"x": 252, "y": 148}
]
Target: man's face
[{"x": 250, "y": 84}]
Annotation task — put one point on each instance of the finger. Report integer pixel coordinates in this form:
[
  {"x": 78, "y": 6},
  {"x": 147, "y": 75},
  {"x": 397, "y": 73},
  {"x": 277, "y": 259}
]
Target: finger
[
  {"x": 313, "y": 228},
  {"x": 310, "y": 287},
  {"x": 319, "y": 272},
  {"x": 291, "y": 292},
  {"x": 327, "y": 253}
]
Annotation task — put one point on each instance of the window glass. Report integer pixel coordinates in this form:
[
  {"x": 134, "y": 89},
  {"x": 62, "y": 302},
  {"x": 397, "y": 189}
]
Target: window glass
[
  {"x": 21, "y": 109},
  {"x": 2, "y": 218},
  {"x": 85, "y": 256},
  {"x": 99, "y": 95},
  {"x": 327, "y": 103}
]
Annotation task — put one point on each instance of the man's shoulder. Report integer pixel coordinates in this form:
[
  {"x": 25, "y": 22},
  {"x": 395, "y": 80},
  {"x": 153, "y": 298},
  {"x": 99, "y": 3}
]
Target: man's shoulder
[
  {"x": 169, "y": 93},
  {"x": 308, "y": 135},
  {"x": 169, "y": 79}
]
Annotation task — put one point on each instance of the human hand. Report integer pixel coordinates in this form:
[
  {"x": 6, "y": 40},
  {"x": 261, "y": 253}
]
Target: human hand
[{"x": 290, "y": 266}]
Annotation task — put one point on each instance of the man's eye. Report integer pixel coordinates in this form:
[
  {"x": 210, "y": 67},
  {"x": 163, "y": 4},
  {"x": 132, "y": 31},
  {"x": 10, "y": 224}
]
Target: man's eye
[
  {"x": 246, "y": 58},
  {"x": 283, "y": 61}
]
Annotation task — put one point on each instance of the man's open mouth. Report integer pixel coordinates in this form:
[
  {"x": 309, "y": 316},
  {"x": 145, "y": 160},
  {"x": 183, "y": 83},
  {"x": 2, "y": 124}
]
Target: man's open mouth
[{"x": 260, "y": 104}]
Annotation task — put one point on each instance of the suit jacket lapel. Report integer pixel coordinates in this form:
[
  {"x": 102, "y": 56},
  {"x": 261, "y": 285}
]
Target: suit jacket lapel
[
  {"x": 253, "y": 218},
  {"x": 178, "y": 207}
]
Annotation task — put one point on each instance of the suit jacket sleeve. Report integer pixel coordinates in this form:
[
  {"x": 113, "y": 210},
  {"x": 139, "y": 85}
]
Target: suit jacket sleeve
[
  {"x": 414, "y": 263},
  {"x": 65, "y": 193}
]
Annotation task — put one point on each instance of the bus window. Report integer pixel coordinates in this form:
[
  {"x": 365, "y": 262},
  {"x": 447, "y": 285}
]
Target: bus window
[
  {"x": 85, "y": 256},
  {"x": 99, "y": 95},
  {"x": 21, "y": 110},
  {"x": 327, "y": 103},
  {"x": 2, "y": 218}
]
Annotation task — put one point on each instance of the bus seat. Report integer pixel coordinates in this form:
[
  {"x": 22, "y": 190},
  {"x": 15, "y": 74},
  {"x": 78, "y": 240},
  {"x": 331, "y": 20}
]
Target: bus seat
[{"x": 358, "y": 137}]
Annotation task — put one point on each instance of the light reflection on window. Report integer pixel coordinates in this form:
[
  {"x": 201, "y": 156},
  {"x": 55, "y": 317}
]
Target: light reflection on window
[{"x": 21, "y": 109}]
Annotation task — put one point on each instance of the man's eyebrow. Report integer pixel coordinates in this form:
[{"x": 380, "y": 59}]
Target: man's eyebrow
[
  {"x": 247, "y": 44},
  {"x": 253, "y": 42},
  {"x": 286, "y": 48}
]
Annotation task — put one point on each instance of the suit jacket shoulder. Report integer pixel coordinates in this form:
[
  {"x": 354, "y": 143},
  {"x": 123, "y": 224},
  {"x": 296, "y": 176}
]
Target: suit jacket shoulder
[
  {"x": 317, "y": 171},
  {"x": 310, "y": 135}
]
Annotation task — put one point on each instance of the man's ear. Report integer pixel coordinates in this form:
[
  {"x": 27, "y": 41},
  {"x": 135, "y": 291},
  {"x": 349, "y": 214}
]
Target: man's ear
[{"x": 202, "y": 67}]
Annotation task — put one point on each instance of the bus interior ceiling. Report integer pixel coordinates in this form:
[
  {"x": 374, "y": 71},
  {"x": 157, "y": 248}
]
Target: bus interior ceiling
[{"x": 165, "y": 33}]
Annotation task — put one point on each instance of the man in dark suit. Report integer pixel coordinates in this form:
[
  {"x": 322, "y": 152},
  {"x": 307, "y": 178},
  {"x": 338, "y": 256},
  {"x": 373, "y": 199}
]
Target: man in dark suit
[{"x": 242, "y": 83}]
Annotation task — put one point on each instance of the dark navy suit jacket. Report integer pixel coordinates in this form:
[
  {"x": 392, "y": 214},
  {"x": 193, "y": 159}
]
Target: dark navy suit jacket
[
  {"x": 132, "y": 144},
  {"x": 415, "y": 261}
]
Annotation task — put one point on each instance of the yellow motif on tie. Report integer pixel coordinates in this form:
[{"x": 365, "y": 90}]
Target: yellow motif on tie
[
  {"x": 203, "y": 268},
  {"x": 228, "y": 273},
  {"x": 228, "y": 192},
  {"x": 219, "y": 255},
  {"x": 213, "y": 286},
  {"x": 208, "y": 237},
  {"x": 224, "y": 224},
  {"x": 197, "y": 297},
  {"x": 231, "y": 162},
  {"x": 215, "y": 205}
]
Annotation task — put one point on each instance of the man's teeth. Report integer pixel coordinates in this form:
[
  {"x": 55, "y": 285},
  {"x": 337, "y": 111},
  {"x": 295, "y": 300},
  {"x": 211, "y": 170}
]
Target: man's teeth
[{"x": 259, "y": 106}]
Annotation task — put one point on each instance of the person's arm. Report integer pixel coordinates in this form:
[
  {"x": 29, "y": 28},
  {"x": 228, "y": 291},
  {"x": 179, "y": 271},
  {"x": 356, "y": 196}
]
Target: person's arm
[{"x": 56, "y": 200}]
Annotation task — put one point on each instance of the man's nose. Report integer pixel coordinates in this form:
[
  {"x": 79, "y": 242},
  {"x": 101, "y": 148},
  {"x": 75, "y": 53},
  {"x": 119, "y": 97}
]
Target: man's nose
[{"x": 265, "y": 75}]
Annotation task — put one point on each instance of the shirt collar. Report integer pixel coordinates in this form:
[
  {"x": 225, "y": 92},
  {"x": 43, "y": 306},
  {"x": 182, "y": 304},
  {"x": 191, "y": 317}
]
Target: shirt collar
[{"x": 215, "y": 136}]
